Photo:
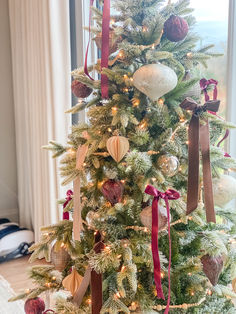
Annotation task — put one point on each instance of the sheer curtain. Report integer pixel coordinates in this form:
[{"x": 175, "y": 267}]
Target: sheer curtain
[{"x": 40, "y": 39}]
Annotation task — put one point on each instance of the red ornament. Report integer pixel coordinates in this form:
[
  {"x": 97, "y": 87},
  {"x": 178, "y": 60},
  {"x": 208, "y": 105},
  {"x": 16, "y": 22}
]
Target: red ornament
[
  {"x": 175, "y": 28},
  {"x": 80, "y": 90},
  {"x": 212, "y": 267},
  {"x": 113, "y": 191},
  {"x": 34, "y": 306}
]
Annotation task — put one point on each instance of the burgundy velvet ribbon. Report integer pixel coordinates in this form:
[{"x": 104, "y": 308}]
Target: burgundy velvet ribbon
[
  {"x": 87, "y": 50},
  {"x": 204, "y": 83},
  {"x": 198, "y": 135},
  {"x": 66, "y": 215},
  {"x": 105, "y": 46},
  {"x": 168, "y": 195}
]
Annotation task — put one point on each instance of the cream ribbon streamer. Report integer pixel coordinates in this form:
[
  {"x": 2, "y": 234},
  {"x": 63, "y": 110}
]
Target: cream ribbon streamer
[{"x": 77, "y": 220}]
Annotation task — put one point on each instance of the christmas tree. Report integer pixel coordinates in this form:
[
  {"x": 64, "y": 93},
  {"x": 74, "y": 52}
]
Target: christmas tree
[{"x": 131, "y": 247}]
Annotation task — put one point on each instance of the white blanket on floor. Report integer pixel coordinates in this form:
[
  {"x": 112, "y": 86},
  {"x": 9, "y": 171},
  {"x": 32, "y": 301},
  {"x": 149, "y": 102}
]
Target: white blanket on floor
[{"x": 6, "y": 293}]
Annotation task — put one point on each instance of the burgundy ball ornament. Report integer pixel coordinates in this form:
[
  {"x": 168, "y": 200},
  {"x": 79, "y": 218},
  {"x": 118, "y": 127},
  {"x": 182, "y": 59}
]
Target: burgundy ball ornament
[
  {"x": 80, "y": 90},
  {"x": 113, "y": 191},
  {"x": 175, "y": 28},
  {"x": 34, "y": 306}
]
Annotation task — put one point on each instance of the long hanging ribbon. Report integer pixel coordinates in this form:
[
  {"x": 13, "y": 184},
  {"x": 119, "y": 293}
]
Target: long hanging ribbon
[
  {"x": 105, "y": 46},
  {"x": 204, "y": 83},
  {"x": 87, "y": 50},
  {"x": 199, "y": 135},
  {"x": 66, "y": 215},
  {"x": 94, "y": 279},
  {"x": 77, "y": 220},
  {"x": 168, "y": 195}
]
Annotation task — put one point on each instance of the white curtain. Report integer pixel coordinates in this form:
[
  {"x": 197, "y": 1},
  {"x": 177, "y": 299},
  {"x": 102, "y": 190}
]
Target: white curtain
[{"x": 40, "y": 39}]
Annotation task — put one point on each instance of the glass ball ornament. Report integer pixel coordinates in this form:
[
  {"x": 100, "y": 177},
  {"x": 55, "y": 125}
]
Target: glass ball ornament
[
  {"x": 168, "y": 164},
  {"x": 91, "y": 217}
]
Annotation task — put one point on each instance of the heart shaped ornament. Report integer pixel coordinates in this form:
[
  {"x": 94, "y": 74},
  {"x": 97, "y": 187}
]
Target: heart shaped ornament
[
  {"x": 155, "y": 80},
  {"x": 117, "y": 147}
]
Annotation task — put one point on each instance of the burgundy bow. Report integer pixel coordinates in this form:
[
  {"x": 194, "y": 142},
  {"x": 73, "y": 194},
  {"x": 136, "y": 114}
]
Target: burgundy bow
[
  {"x": 168, "y": 195},
  {"x": 69, "y": 194},
  {"x": 199, "y": 137},
  {"x": 204, "y": 83}
]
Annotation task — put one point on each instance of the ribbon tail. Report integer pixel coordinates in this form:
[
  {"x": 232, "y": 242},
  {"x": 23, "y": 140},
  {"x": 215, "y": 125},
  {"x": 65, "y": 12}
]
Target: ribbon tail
[
  {"x": 169, "y": 266},
  {"x": 224, "y": 138},
  {"x": 79, "y": 294},
  {"x": 96, "y": 279},
  {"x": 207, "y": 176},
  {"x": 193, "y": 165},
  {"x": 155, "y": 250},
  {"x": 87, "y": 49},
  {"x": 105, "y": 47},
  {"x": 77, "y": 220}
]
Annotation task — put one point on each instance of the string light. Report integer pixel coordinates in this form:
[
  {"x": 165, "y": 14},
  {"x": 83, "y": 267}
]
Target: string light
[
  {"x": 126, "y": 77},
  {"x": 145, "y": 29},
  {"x": 112, "y": 21},
  {"x": 89, "y": 301},
  {"x": 153, "y": 46},
  {"x": 100, "y": 184},
  {"x": 107, "y": 248},
  {"x": 187, "y": 142},
  {"x": 63, "y": 245},
  {"x": 189, "y": 55},
  {"x": 70, "y": 151},
  {"x": 48, "y": 284},
  {"x": 84, "y": 164},
  {"x": 54, "y": 278},
  {"x": 122, "y": 181},
  {"x": 27, "y": 291},
  {"x": 162, "y": 275},
  {"x": 145, "y": 229},
  {"x": 192, "y": 293},
  {"x": 143, "y": 125},
  {"x": 189, "y": 274},
  {"x": 123, "y": 268},
  {"x": 109, "y": 130},
  {"x": 117, "y": 295},
  {"x": 114, "y": 110},
  {"x": 131, "y": 79},
  {"x": 125, "y": 90},
  {"x": 209, "y": 292},
  {"x": 135, "y": 102},
  {"x": 121, "y": 54},
  {"x": 154, "y": 179},
  {"x": 160, "y": 101}
]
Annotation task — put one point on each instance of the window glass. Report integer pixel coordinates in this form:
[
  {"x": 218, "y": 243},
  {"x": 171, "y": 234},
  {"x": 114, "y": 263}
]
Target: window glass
[{"x": 212, "y": 26}]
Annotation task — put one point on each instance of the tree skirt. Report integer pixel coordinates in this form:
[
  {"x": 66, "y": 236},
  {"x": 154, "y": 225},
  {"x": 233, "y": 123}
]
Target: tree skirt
[{"x": 6, "y": 293}]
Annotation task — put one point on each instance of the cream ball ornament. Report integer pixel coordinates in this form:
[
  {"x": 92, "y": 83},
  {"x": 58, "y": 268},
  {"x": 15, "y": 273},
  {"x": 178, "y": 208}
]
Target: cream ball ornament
[
  {"x": 224, "y": 190},
  {"x": 168, "y": 164},
  {"x": 146, "y": 217},
  {"x": 155, "y": 80}
]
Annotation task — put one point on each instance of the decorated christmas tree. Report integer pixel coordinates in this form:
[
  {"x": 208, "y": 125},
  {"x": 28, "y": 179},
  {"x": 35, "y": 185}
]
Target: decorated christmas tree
[{"x": 146, "y": 226}]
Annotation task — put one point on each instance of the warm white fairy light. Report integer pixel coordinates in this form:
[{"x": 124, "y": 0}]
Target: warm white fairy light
[{"x": 114, "y": 110}]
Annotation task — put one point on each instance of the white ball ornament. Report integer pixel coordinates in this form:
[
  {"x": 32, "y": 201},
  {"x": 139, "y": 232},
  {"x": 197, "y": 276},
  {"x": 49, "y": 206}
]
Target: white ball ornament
[
  {"x": 146, "y": 217},
  {"x": 155, "y": 80},
  {"x": 224, "y": 189}
]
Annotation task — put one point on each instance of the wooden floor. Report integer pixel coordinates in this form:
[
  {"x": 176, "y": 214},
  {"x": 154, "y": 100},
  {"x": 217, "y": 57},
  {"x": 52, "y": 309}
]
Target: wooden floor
[{"x": 15, "y": 272}]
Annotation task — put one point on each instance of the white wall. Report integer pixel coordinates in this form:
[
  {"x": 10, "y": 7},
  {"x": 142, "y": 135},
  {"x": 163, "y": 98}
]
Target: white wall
[{"x": 8, "y": 171}]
